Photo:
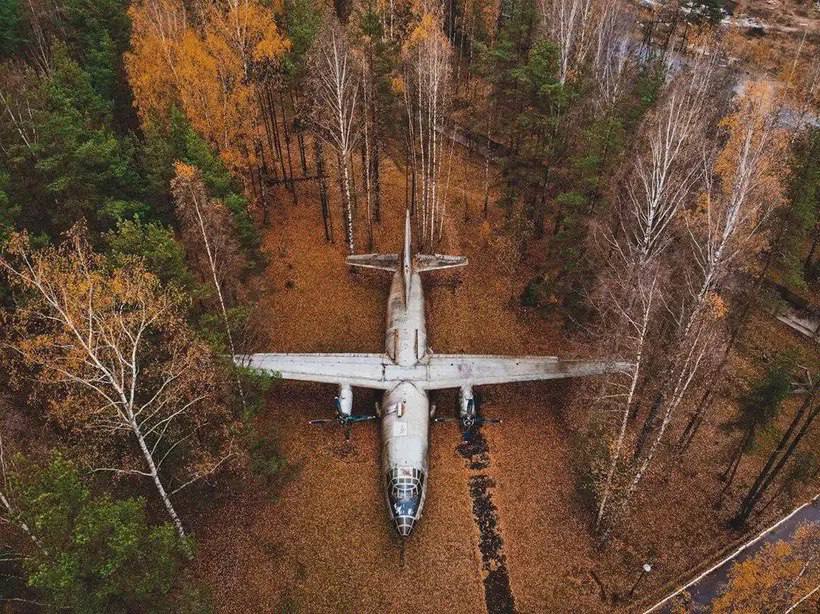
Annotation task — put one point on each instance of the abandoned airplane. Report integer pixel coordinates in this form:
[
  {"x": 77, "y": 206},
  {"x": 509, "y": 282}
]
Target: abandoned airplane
[{"x": 406, "y": 371}]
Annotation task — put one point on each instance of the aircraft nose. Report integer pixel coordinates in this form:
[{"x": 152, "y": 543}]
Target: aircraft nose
[
  {"x": 404, "y": 525},
  {"x": 405, "y": 512},
  {"x": 404, "y": 495}
]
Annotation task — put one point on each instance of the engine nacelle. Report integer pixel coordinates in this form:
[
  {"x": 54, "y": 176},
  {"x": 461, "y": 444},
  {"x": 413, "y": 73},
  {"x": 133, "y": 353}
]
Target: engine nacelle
[
  {"x": 466, "y": 402},
  {"x": 344, "y": 402}
]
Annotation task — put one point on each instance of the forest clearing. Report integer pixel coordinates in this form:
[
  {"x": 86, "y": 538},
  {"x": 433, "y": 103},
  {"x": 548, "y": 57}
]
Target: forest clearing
[{"x": 180, "y": 186}]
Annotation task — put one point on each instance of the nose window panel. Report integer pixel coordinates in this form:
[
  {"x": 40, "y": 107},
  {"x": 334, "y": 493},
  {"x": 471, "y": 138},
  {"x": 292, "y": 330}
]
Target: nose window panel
[
  {"x": 404, "y": 488},
  {"x": 405, "y": 483}
]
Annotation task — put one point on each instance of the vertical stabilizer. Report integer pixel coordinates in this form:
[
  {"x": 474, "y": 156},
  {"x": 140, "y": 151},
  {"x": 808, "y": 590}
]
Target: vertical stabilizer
[{"x": 407, "y": 258}]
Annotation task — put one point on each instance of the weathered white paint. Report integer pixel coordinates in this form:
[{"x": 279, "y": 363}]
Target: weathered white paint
[{"x": 408, "y": 369}]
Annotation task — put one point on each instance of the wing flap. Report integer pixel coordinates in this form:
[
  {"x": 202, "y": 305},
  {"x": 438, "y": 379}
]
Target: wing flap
[{"x": 435, "y": 262}]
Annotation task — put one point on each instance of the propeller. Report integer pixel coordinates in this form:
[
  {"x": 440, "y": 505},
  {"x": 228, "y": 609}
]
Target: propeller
[
  {"x": 470, "y": 419},
  {"x": 343, "y": 419}
]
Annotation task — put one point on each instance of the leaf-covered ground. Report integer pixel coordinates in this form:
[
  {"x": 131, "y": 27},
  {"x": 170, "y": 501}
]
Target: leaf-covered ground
[{"x": 322, "y": 541}]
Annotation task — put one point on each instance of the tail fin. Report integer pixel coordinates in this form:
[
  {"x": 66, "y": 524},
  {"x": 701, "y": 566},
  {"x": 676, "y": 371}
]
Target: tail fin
[
  {"x": 406, "y": 260},
  {"x": 407, "y": 257}
]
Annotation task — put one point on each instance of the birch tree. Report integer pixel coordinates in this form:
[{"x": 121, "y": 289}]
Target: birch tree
[
  {"x": 737, "y": 195},
  {"x": 631, "y": 299},
  {"x": 612, "y": 54},
  {"x": 119, "y": 363},
  {"x": 335, "y": 108},
  {"x": 208, "y": 225},
  {"x": 571, "y": 25},
  {"x": 743, "y": 188},
  {"x": 427, "y": 54},
  {"x": 664, "y": 175}
]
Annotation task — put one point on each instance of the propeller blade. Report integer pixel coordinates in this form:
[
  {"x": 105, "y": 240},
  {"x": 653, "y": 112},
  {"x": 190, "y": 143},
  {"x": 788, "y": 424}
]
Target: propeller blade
[
  {"x": 365, "y": 418},
  {"x": 321, "y": 421}
]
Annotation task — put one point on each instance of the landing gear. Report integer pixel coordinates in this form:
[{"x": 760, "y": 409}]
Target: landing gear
[
  {"x": 469, "y": 415},
  {"x": 344, "y": 413}
]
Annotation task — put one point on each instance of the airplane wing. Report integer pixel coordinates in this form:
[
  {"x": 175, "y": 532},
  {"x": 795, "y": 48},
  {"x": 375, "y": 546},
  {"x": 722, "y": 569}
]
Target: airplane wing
[
  {"x": 455, "y": 370},
  {"x": 364, "y": 370}
]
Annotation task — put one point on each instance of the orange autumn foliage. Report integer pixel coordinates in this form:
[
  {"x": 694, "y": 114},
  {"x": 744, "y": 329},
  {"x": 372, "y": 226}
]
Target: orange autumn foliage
[
  {"x": 752, "y": 126},
  {"x": 207, "y": 70},
  {"x": 157, "y": 26},
  {"x": 776, "y": 577}
]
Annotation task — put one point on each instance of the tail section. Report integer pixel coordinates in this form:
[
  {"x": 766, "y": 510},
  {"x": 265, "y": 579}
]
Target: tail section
[
  {"x": 382, "y": 262},
  {"x": 406, "y": 260},
  {"x": 407, "y": 257},
  {"x": 436, "y": 262}
]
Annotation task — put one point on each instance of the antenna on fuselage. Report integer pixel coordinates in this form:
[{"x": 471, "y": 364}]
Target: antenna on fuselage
[{"x": 407, "y": 258}]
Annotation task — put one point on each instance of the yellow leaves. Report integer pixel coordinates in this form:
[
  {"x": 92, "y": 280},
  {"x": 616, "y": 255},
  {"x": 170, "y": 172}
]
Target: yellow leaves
[
  {"x": 775, "y": 577},
  {"x": 397, "y": 85},
  {"x": 426, "y": 27},
  {"x": 17, "y": 243},
  {"x": 157, "y": 28},
  {"x": 747, "y": 128},
  {"x": 185, "y": 171},
  {"x": 716, "y": 306},
  {"x": 270, "y": 48},
  {"x": 205, "y": 68}
]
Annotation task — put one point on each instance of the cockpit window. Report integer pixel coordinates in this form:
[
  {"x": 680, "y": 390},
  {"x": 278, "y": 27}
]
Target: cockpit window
[
  {"x": 404, "y": 488},
  {"x": 405, "y": 483}
]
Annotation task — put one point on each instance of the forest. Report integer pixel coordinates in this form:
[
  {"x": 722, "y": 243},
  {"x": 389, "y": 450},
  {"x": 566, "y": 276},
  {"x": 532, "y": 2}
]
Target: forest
[{"x": 181, "y": 181}]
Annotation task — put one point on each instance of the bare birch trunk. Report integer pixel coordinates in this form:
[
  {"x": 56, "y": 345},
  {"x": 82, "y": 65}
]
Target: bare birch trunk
[{"x": 218, "y": 287}]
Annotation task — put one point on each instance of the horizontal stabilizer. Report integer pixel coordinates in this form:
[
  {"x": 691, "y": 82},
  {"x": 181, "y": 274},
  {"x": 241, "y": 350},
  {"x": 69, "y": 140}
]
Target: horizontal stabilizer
[
  {"x": 434, "y": 262},
  {"x": 382, "y": 262}
]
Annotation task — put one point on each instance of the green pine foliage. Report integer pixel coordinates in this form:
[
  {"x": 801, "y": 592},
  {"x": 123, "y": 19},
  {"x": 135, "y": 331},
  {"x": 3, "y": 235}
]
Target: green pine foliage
[
  {"x": 156, "y": 245},
  {"x": 12, "y": 36},
  {"x": 178, "y": 141},
  {"x": 304, "y": 20},
  {"x": 95, "y": 554},
  {"x": 77, "y": 168},
  {"x": 802, "y": 214}
]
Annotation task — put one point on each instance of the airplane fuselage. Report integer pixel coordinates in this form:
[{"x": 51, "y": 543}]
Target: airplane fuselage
[
  {"x": 406, "y": 371},
  {"x": 405, "y": 409}
]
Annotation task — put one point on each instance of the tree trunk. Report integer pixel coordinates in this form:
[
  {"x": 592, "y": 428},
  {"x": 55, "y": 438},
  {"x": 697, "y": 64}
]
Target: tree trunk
[
  {"x": 276, "y": 139},
  {"x": 286, "y": 131},
  {"x": 320, "y": 172},
  {"x": 774, "y": 465},
  {"x": 152, "y": 470},
  {"x": 346, "y": 200},
  {"x": 300, "y": 134},
  {"x": 616, "y": 454},
  {"x": 218, "y": 287}
]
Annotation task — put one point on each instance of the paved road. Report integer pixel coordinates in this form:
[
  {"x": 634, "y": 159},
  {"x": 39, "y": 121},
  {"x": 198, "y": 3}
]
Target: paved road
[{"x": 708, "y": 585}]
